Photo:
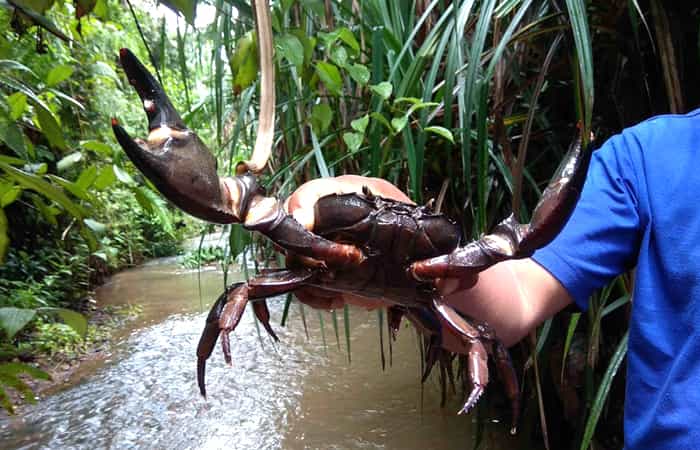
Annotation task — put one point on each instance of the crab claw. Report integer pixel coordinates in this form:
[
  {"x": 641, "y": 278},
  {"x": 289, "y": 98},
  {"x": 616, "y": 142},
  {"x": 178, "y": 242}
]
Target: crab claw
[{"x": 173, "y": 157}]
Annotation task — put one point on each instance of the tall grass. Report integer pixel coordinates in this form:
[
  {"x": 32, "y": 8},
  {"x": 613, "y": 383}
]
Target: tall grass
[{"x": 481, "y": 96}]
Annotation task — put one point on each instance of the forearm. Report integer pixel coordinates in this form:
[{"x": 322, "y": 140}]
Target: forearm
[{"x": 513, "y": 297}]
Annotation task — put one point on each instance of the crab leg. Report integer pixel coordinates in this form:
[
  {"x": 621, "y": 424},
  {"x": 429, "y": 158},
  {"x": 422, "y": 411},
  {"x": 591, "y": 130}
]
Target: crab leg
[
  {"x": 509, "y": 378},
  {"x": 226, "y": 312},
  {"x": 510, "y": 239}
]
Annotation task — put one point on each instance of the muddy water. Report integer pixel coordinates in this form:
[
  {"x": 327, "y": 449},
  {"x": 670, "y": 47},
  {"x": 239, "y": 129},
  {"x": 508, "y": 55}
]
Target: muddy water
[{"x": 298, "y": 394}]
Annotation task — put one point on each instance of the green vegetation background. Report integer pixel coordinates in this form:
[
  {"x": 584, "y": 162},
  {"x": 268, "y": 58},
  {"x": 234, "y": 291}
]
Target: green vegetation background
[{"x": 471, "y": 101}]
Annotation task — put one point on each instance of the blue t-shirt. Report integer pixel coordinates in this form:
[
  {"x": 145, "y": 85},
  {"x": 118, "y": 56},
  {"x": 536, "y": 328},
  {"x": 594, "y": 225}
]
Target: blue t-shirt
[{"x": 640, "y": 206}]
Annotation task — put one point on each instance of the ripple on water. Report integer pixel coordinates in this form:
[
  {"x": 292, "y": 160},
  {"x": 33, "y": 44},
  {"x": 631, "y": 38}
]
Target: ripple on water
[{"x": 149, "y": 399}]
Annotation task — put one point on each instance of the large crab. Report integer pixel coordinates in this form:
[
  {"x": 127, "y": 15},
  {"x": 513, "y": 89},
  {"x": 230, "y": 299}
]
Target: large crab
[{"x": 361, "y": 243}]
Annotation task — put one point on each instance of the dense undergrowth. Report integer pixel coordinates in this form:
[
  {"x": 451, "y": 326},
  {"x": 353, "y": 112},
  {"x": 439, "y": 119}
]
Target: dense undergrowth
[{"x": 476, "y": 99}]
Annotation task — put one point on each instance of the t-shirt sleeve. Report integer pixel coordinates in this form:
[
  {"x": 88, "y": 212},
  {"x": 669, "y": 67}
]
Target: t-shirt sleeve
[{"x": 601, "y": 238}]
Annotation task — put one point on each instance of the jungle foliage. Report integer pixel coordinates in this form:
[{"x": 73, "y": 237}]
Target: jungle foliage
[
  {"x": 70, "y": 210},
  {"x": 472, "y": 102}
]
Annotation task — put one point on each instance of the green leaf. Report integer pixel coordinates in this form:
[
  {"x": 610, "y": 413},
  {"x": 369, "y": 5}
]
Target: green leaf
[
  {"x": 339, "y": 56},
  {"x": 186, "y": 7},
  {"x": 382, "y": 89},
  {"x": 49, "y": 125},
  {"x": 86, "y": 178},
  {"x": 36, "y": 183},
  {"x": 18, "y": 104},
  {"x": 329, "y": 74},
  {"x": 348, "y": 37},
  {"x": 14, "y": 319},
  {"x": 239, "y": 239},
  {"x": 12, "y": 136},
  {"x": 321, "y": 117},
  {"x": 290, "y": 47},
  {"x": 399, "y": 123},
  {"x": 360, "y": 124},
  {"x": 73, "y": 319},
  {"x": 359, "y": 73},
  {"x": 353, "y": 140},
  {"x": 315, "y": 6},
  {"x": 10, "y": 195},
  {"x": 58, "y": 74},
  {"x": 68, "y": 161},
  {"x": 105, "y": 178},
  {"x": 442, "y": 132},
  {"x": 97, "y": 147},
  {"x": 12, "y": 161},
  {"x": 602, "y": 393},
  {"x": 381, "y": 119},
  {"x": 101, "y": 68},
  {"x": 97, "y": 227},
  {"x": 123, "y": 176}
]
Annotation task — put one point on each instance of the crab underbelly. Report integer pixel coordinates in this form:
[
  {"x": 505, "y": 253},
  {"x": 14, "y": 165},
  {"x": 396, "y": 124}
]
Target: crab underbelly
[{"x": 378, "y": 281}]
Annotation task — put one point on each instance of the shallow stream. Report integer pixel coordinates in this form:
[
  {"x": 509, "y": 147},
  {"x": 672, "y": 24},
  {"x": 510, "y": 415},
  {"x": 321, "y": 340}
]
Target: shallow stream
[{"x": 298, "y": 394}]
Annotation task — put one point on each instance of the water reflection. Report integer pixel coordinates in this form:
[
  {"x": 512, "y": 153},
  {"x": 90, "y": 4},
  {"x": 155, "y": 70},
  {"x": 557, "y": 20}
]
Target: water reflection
[{"x": 295, "y": 395}]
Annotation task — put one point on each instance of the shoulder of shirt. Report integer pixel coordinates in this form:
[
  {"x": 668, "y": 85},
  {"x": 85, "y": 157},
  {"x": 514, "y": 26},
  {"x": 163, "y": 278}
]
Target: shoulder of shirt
[{"x": 690, "y": 116}]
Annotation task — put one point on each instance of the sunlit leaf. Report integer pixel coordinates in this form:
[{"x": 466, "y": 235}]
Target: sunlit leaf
[
  {"x": 383, "y": 89},
  {"x": 68, "y": 160},
  {"x": 339, "y": 56},
  {"x": 58, "y": 73},
  {"x": 399, "y": 123},
  {"x": 329, "y": 74},
  {"x": 10, "y": 195},
  {"x": 97, "y": 227},
  {"x": 12, "y": 320},
  {"x": 442, "y": 132},
  {"x": 18, "y": 104},
  {"x": 348, "y": 38},
  {"x": 359, "y": 73},
  {"x": 353, "y": 140},
  {"x": 360, "y": 124},
  {"x": 122, "y": 175}
]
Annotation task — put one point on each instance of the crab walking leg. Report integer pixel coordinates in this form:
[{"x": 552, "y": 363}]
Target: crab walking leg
[
  {"x": 509, "y": 378},
  {"x": 510, "y": 239},
  {"x": 478, "y": 374},
  {"x": 226, "y": 312},
  {"x": 475, "y": 336},
  {"x": 263, "y": 315}
]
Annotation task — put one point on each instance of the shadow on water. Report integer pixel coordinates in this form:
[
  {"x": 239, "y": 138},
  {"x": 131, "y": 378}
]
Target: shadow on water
[{"x": 295, "y": 395}]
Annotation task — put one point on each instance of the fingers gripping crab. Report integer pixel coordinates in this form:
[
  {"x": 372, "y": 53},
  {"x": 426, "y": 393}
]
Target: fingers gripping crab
[{"x": 361, "y": 244}]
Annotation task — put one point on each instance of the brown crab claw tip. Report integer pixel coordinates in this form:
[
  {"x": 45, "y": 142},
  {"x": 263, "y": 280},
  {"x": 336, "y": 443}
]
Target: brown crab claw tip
[{"x": 155, "y": 102}]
